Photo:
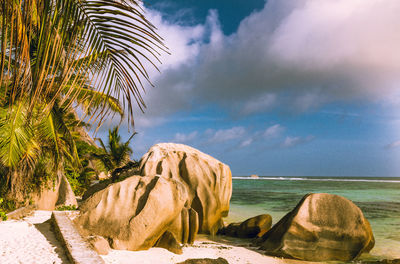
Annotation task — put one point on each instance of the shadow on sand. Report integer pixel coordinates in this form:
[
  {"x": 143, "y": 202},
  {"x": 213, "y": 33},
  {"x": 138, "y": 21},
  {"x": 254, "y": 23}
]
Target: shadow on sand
[
  {"x": 248, "y": 244},
  {"x": 47, "y": 230}
]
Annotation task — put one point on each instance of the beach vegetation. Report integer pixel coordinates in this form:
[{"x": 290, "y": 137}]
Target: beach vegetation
[
  {"x": 115, "y": 153},
  {"x": 3, "y": 215},
  {"x": 67, "y": 208},
  {"x": 59, "y": 58}
]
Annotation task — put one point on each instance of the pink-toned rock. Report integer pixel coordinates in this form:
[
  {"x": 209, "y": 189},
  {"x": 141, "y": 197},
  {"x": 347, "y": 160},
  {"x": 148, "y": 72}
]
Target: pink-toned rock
[
  {"x": 322, "y": 227},
  {"x": 59, "y": 193},
  {"x": 169, "y": 242},
  {"x": 134, "y": 213},
  {"x": 207, "y": 180},
  {"x": 99, "y": 244}
]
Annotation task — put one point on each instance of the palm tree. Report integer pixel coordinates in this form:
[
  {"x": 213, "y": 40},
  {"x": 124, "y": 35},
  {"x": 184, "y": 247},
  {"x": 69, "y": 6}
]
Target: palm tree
[
  {"x": 58, "y": 47},
  {"x": 116, "y": 153},
  {"x": 57, "y": 56}
]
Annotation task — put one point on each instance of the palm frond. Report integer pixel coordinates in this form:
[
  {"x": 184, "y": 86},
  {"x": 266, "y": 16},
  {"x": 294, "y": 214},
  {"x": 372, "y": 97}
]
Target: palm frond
[
  {"x": 50, "y": 46},
  {"x": 17, "y": 139}
]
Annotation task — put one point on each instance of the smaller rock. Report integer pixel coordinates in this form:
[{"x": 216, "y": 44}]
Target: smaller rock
[
  {"x": 253, "y": 227},
  {"x": 168, "y": 241},
  {"x": 65, "y": 194},
  {"x": 21, "y": 212},
  {"x": 99, "y": 244},
  {"x": 230, "y": 230},
  {"x": 205, "y": 261}
]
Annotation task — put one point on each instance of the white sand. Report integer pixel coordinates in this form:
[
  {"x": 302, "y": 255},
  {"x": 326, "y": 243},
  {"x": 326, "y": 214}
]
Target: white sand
[
  {"x": 203, "y": 248},
  {"x": 30, "y": 241}
]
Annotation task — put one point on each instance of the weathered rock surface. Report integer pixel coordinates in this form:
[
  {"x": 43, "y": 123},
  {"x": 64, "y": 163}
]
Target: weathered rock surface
[
  {"x": 95, "y": 188},
  {"x": 168, "y": 241},
  {"x": 207, "y": 180},
  {"x": 21, "y": 212},
  {"x": 51, "y": 196},
  {"x": 321, "y": 227},
  {"x": 130, "y": 169},
  {"x": 229, "y": 230},
  {"x": 185, "y": 226},
  {"x": 99, "y": 244},
  {"x": 65, "y": 194},
  {"x": 253, "y": 227},
  {"x": 133, "y": 214},
  {"x": 205, "y": 261}
]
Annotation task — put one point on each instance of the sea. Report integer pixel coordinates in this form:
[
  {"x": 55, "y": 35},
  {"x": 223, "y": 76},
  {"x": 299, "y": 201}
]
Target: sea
[{"x": 378, "y": 198}]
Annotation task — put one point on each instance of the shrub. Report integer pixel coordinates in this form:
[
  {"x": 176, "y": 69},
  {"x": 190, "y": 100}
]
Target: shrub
[
  {"x": 3, "y": 215},
  {"x": 67, "y": 208}
]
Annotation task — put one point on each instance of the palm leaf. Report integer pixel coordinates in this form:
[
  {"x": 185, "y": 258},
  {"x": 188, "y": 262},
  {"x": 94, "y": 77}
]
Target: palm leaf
[
  {"x": 17, "y": 140},
  {"x": 79, "y": 43}
]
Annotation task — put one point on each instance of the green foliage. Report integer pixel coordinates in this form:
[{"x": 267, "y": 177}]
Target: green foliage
[
  {"x": 116, "y": 153},
  {"x": 57, "y": 56},
  {"x": 67, "y": 208},
  {"x": 73, "y": 179},
  {"x": 66, "y": 47},
  {"x": 3, "y": 214},
  {"x": 33, "y": 146},
  {"x": 79, "y": 179},
  {"x": 85, "y": 149}
]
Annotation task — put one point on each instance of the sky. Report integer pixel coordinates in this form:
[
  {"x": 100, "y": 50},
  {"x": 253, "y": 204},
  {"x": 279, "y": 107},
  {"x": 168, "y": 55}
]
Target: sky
[{"x": 278, "y": 87}]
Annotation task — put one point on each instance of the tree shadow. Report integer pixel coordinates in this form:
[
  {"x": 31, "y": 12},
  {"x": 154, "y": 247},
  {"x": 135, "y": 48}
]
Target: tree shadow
[
  {"x": 46, "y": 229},
  {"x": 247, "y": 243},
  {"x": 234, "y": 241}
]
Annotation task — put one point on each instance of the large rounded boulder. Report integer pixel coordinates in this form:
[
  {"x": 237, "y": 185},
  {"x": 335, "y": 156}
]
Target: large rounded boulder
[
  {"x": 207, "y": 180},
  {"x": 322, "y": 227},
  {"x": 135, "y": 213}
]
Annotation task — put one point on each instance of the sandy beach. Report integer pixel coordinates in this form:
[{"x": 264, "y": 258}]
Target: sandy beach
[
  {"x": 203, "y": 247},
  {"x": 200, "y": 249},
  {"x": 30, "y": 240}
]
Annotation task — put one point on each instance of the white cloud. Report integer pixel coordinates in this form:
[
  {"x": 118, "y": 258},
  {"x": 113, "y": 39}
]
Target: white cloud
[
  {"x": 246, "y": 138},
  {"x": 273, "y": 131},
  {"x": 259, "y": 104},
  {"x": 223, "y": 135},
  {"x": 239, "y": 137},
  {"x": 292, "y": 54},
  {"x": 246, "y": 142},
  {"x": 185, "y": 138},
  {"x": 294, "y": 141}
]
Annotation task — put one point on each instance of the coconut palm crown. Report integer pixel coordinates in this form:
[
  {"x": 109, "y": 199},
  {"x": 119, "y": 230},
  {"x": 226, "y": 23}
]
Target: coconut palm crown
[
  {"x": 64, "y": 47},
  {"x": 60, "y": 56}
]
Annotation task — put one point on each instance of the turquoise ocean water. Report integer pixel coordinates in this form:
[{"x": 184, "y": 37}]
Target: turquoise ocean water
[{"x": 378, "y": 198}]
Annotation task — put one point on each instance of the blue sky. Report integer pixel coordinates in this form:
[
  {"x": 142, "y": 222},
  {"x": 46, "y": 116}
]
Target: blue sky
[{"x": 285, "y": 87}]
